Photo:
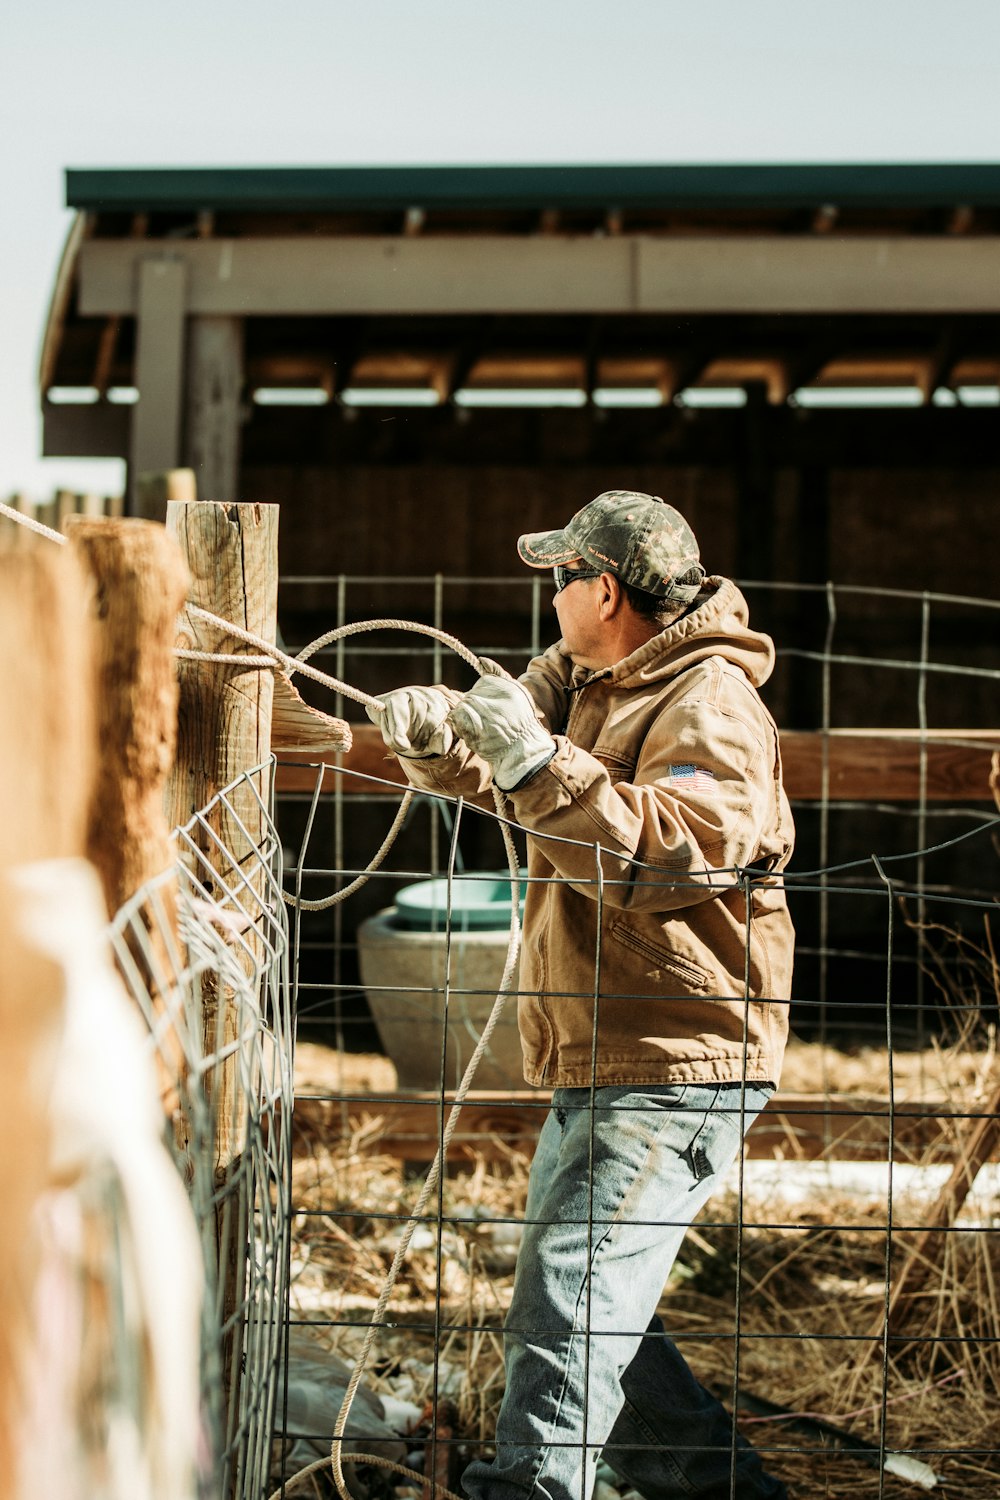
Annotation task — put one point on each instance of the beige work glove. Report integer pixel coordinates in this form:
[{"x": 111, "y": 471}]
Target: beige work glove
[
  {"x": 497, "y": 720},
  {"x": 413, "y": 722}
]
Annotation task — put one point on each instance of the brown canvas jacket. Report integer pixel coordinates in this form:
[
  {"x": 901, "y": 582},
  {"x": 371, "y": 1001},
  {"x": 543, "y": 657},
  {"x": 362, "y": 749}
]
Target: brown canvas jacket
[{"x": 665, "y": 784}]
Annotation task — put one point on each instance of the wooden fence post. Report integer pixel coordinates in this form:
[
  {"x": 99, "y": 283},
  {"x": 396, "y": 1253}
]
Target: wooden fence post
[
  {"x": 47, "y": 752},
  {"x": 224, "y": 726},
  {"x": 158, "y": 488},
  {"x": 47, "y": 737},
  {"x": 224, "y": 729},
  {"x": 140, "y": 584}
]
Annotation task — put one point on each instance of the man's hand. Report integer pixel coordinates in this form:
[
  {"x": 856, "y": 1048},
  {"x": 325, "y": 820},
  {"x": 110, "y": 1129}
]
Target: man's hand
[
  {"x": 413, "y": 722},
  {"x": 497, "y": 720}
]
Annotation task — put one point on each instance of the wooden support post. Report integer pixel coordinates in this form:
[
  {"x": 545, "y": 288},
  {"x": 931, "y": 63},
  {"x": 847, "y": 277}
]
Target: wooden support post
[
  {"x": 47, "y": 751},
  {"x": 154, "y": 491},
  {"x": 140, "y": 584},
  {"x": 214, "y": 394},
  {"x": 159, "y": 367},
  {"x": 47, "y": 734},
  {"x": 225, "y": 711},
  {"x": 223, "y": 731}
]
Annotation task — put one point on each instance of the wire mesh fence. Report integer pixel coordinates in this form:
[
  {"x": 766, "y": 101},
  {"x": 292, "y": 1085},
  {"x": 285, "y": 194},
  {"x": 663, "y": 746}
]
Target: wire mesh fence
[
  {"x": 838, "y": 1289},
  {"x": 204, "y": 953}
]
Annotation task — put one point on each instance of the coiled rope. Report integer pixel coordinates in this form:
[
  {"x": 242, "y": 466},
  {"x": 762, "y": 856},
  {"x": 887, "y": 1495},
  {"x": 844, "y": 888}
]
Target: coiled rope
[{"x": 270, "y": 656}]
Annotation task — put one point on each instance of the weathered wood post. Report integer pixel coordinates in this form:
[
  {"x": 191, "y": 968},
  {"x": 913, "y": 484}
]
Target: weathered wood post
[
  {"x": 47, "y": 752},
  {"x": 47, "y": 739},
  {"x": 155, "y": 490},
  {"x": 224, "y": 724},
  {"x": 139, "y": 583},
  {"x": 224, "y": 729}
]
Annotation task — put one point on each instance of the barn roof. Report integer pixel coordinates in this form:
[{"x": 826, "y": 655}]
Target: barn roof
[{"x": 758, "y": 187}]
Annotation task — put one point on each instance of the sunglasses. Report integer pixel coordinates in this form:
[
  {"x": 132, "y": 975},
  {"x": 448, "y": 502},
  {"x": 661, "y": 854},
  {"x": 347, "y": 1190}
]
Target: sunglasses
[{"x": 564, "y": 576}]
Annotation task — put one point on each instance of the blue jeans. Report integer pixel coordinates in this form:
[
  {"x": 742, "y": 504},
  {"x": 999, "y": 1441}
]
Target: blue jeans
[{"x": 589, "y": 1367}]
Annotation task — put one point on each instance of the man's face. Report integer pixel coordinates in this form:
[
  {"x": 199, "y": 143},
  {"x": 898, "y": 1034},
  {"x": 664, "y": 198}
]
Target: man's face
[{"x": 580, "y": 623}]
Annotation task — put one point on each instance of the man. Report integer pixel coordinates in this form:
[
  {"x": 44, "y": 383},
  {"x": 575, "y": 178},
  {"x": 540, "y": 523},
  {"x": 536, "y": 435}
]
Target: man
[{"x": 655, "y": 966}]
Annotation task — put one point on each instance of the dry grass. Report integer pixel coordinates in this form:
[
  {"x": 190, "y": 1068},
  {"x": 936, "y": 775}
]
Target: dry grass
[{"x": 811, "y": 1298}]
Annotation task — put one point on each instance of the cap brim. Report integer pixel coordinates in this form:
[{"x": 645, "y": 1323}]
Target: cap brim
[{"x": 546, "y": 549}]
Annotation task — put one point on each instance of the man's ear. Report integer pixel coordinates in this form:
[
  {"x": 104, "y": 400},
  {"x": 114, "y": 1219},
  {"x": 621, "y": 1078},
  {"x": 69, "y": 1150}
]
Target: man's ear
[{"x": 612, "y": 596}]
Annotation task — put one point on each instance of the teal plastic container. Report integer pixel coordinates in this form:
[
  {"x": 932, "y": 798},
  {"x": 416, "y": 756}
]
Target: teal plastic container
[{"x": 479, "y": 903}]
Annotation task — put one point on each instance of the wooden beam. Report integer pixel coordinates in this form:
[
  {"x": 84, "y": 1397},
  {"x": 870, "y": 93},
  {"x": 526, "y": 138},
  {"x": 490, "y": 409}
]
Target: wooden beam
[
  {"x": 940, "y": 361},
  {"x": 687, "y": 366},
  {"x": 214, "y": 396},
  {"x": 472, "y": 348},
  {"x": 592, "y": 356},
  {"x": 105, "y": 356},
  {"x": 558, "y": 274},
  {"x": 803, "y": 1127},
  {"x": 347, "y": 350},
  {"x": 541, "y": 370},
  {"x": 885, "y": 765},
  {"x": 863, "y": 765},
  {"x": 159, "y": 367},
  {"x": 59, "y": 304}
]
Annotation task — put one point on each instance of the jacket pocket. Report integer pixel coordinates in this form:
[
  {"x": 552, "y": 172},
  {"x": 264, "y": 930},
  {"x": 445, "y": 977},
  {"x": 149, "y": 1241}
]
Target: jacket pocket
[
  {"x": 691, "y": 975},
  {"x": 618, "y": 767}
]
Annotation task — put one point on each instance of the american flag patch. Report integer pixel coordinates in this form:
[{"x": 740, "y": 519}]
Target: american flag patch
[{"x": 691, "y": 778}]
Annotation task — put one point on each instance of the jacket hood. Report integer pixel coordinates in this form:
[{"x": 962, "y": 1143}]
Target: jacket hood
[{"x": 718, "y": 625}]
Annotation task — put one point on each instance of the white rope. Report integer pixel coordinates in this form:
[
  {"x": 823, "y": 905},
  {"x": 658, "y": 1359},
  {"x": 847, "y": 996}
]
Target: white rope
[
  {"x": 271, "y": 655},
  {"x": 327, "y": 901},
  {"x": 31, "y": 523}
]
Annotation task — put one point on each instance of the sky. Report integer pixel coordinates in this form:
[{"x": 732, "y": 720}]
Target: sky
[{"x": 118, "y": 83}]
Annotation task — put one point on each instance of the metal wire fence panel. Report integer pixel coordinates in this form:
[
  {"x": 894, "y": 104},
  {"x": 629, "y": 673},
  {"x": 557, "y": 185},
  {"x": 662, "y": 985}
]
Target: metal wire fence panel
[
  {"x": 836, "y": 1292},
  {"x": 837, "y": 1289},
  {"x": 204, "y": 952}
]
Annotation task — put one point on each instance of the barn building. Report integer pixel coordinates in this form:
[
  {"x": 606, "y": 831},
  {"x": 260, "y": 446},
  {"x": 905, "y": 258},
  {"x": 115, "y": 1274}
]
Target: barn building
[{"x": 417, "y": 364}]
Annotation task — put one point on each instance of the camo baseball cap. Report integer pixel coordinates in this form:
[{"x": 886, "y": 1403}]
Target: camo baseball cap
[{"x": 639, "y": 538}]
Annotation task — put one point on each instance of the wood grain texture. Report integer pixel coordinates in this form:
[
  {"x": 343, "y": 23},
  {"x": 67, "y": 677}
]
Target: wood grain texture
[
  {"x": 140, "y": 583},
  {"x": 224, "y": 727},
  {"x": 225, "y": 711},
  {"x": 224, "y": 730},
  {"x": 885, "y": 765},
  {"x": 47, "y": 701},
  {"x": 214, "y": 393}
]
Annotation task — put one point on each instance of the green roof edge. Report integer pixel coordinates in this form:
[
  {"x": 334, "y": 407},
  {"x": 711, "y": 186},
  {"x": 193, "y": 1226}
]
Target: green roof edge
[{"x": 498, "y": 187}]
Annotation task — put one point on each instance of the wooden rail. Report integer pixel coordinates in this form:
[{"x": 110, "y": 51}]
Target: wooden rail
[
  {"x": 858, "y": 765},
  {"x": 796, "y": 1127}
]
